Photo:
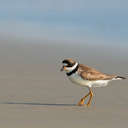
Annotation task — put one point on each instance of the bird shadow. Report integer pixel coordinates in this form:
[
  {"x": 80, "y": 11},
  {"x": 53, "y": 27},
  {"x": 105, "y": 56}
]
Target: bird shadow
[{"x": 38, "y": 104}]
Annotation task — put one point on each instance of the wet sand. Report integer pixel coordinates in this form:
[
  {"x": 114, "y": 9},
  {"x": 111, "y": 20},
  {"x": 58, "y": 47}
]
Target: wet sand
[{"x": 34, "y": 93}]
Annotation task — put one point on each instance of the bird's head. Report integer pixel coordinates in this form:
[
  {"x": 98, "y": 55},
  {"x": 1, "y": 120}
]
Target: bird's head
[{"x": 68, "y": 65}]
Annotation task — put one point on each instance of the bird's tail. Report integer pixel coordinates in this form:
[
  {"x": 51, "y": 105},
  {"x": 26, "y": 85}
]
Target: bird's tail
[{"x": 119, "y": 78}]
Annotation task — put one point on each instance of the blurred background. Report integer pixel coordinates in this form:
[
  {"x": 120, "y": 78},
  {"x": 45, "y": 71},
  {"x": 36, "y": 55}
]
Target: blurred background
[
  {"x": 35, "y": 36},
  {"x": 91, "y": 21}
]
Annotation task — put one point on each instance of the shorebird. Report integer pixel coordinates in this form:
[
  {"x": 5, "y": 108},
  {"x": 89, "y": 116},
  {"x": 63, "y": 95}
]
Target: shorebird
[{"x": 84, "y": 75}]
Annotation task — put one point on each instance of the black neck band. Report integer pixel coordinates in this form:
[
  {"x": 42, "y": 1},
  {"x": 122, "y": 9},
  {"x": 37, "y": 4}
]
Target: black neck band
[{"x": 73, "y": 71}]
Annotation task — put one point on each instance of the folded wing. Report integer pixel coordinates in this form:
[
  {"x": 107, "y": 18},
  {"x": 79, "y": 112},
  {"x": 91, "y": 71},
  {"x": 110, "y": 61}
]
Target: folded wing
[{"x": 92, "y": 74}]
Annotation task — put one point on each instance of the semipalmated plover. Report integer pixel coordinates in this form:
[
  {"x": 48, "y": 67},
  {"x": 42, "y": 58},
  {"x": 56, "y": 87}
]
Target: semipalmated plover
[{"x": 86, "y": 76}]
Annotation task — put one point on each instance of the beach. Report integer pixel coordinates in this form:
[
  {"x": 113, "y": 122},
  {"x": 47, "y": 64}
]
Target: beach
[{"x": 34, "y": 93}]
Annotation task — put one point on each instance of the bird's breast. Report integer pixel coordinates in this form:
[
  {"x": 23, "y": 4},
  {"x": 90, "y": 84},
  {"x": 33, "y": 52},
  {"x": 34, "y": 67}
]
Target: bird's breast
[{"x": 75, "y": 78}]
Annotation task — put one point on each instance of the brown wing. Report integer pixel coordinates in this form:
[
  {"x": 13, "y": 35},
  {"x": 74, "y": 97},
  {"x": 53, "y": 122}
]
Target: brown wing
[{"x": 88, "y": 73}]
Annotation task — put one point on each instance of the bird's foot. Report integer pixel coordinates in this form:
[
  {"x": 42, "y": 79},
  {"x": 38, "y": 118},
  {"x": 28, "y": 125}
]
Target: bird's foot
[{"x": 81, "y": 102}]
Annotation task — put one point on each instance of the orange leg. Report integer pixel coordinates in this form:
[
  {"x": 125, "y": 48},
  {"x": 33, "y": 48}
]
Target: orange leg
[
  {"x": 81, "y": 102},
  {"x": 90, "y": 98}
]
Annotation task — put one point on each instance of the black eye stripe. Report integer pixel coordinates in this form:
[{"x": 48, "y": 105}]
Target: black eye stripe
[
  {"x": 68, "y": 64},
  {"x": 65, "y": 61}
]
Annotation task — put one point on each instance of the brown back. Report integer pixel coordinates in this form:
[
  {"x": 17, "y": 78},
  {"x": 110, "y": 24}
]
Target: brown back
[{"x": 92, "y": 74}]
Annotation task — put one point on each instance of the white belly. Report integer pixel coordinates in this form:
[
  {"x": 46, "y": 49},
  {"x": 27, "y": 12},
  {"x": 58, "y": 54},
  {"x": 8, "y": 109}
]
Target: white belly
[{"x": 75, "y": 78}]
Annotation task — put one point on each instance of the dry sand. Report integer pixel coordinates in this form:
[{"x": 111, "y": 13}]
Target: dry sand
[{"x": 35, "y": 94}]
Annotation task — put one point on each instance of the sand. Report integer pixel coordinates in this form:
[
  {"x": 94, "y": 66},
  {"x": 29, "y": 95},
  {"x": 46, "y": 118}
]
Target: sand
[{"x": 35, "y": 94}]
